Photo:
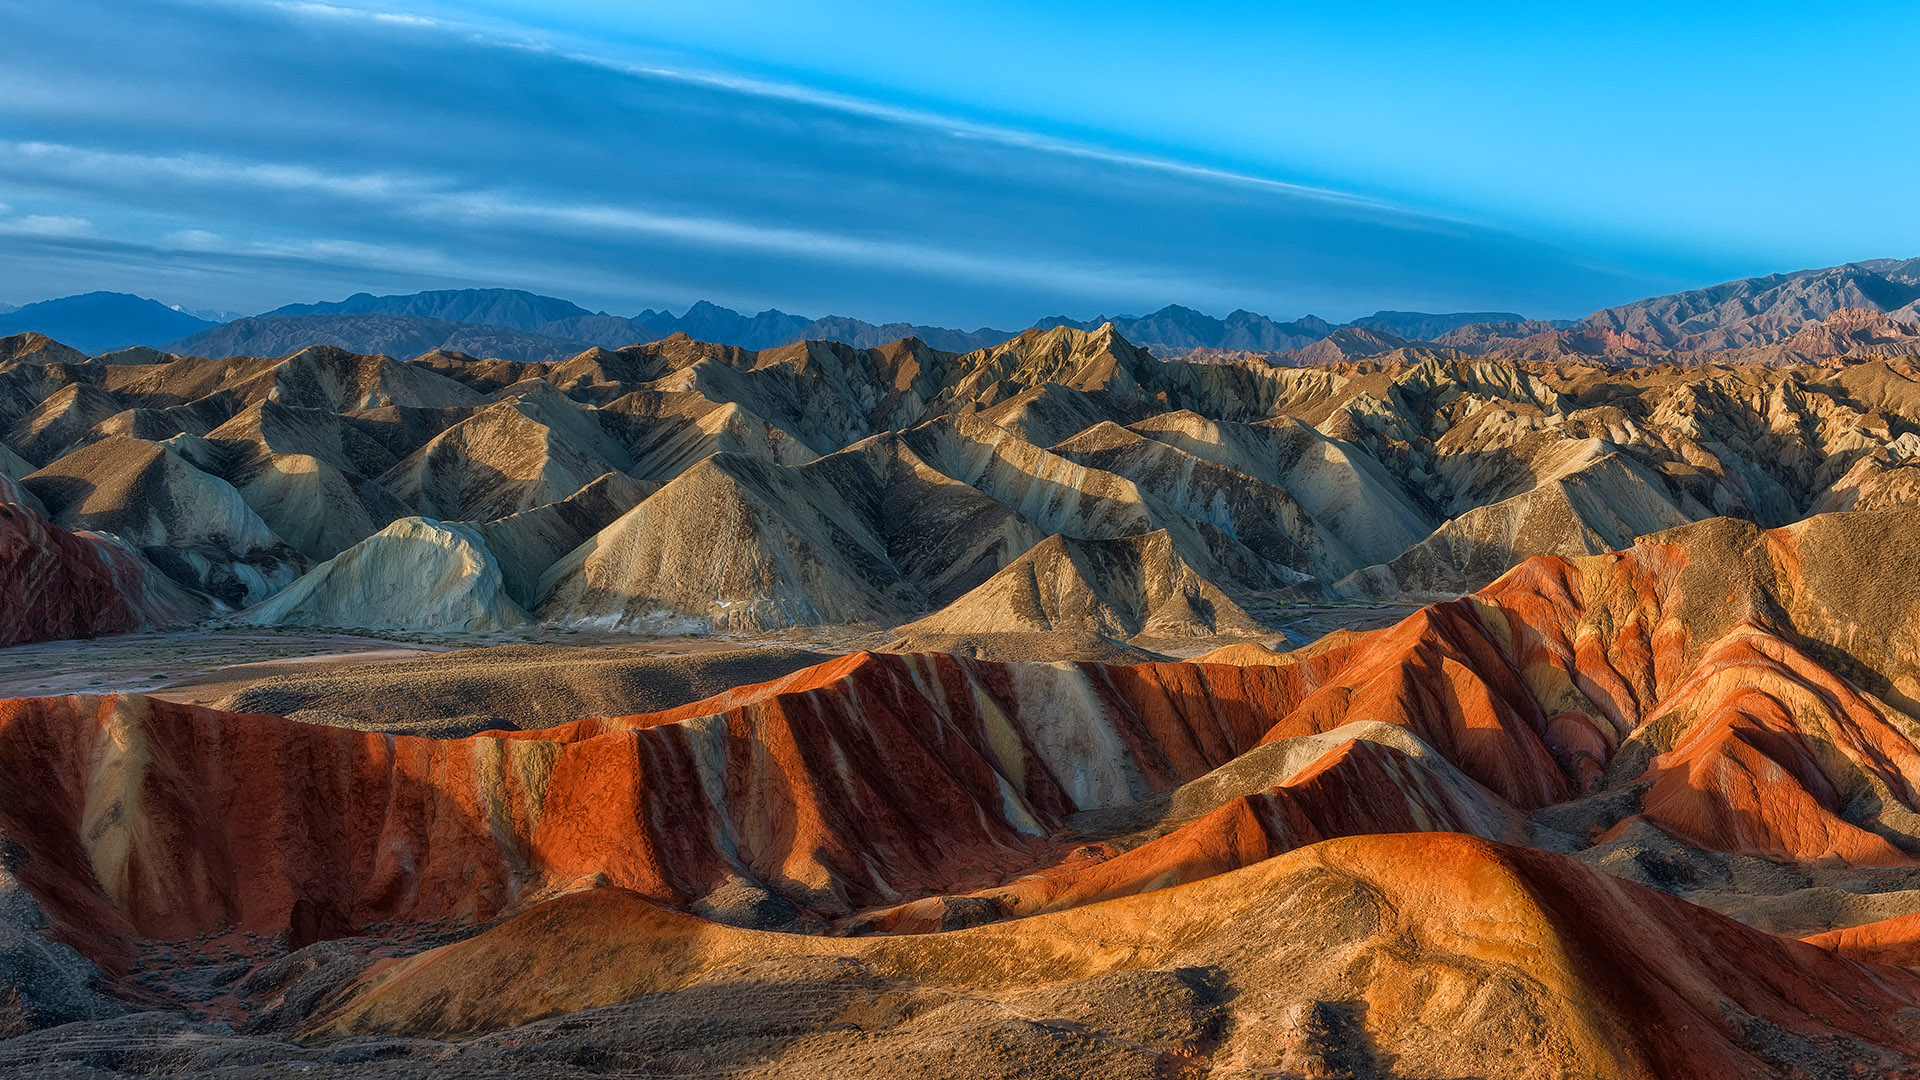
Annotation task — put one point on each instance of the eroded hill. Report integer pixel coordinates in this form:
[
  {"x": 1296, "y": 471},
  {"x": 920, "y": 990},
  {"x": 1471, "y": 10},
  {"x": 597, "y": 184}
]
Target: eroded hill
[{"x": 679, "y": 486}]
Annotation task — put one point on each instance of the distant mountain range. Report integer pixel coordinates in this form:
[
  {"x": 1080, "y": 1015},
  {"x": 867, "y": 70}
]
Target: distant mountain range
[
  {"x": 1175, "y": 329},
  {"x": 394, "y": 335},
  {"x": 1419, "y": 326},
  {"x": 552, "y": 318},
  {"x": 526, "y": 326},
  {"x": 1764, "y": 313},
  {"x": 1179, "y": 328},
  {"x": 99, "y": 322},
  {"x": 1766, "y": 310},
  {"x": 1780, "y": 318}
]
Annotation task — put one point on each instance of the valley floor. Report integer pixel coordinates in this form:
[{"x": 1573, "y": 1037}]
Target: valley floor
[{"x": 203, "y": 665}]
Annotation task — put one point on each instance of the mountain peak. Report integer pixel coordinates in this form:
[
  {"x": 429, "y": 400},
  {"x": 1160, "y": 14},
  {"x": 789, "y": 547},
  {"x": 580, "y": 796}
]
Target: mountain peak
[
  {"x": 98, "y": 322},
  {"x": 515, "y": 309}
]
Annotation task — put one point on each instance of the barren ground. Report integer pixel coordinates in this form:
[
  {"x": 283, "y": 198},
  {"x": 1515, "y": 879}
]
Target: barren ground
[{"x": 208, "y": 663}]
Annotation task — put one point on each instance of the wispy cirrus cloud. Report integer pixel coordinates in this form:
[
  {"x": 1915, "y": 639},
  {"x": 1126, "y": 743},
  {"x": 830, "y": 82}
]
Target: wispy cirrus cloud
[
  {"x": 55, "y": 162},
  {"x": 441, "y": 153},
  {"x": 338, "y": 11},
  {"x": 815, "y": 97},
  {"x": 416, "y": 198},
  {"x": 48, "y": 225}
]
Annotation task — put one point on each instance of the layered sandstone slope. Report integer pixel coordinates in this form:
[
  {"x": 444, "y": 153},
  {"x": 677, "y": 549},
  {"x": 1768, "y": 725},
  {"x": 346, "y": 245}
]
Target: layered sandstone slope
[
  {"x": 1266, "y": 518},
  {"x": 1883, "y": 941},
  {"x": 827, "y": 395},
  {"x": 1057, "y": 494},
  {"x": 1592, "y": 499},
  {"x": 1744, "y": 691},
  {"x": 13, "y": 467},
  {"x": 1887, "y": 480},
  {"x": 415, "y": 574},
  {"x": 1502, "y": 454},
  {"x": 857, "y": 784},
  {"x": 1463, "y": 678},
  {"x": 1492, "y": 961},
  {"x": 58, "y": 584},
  {"x": 1348, "y": 494},
  {"x": 1360, "y": 779},
  {"x": 62, "y": 422},
  {"x": 670, "y": 432},
  {"x": 1098, "y": 360},
  {"x": 1720, "y": 710},
  {"x": 1061, "y": 496},
  {"x": 1713, "y": 718},
  {"x": 322, "y": 377},
  {"x": 1747, "y": 692},
  {"x": 1762, "y": 683},
  {"x": 1049, "y": 414},
  {"x": 34, "y": 348},
  {"x": 943, "y": 535}
]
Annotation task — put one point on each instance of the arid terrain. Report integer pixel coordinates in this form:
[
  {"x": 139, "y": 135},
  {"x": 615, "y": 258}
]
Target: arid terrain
[{"x": 1055, "y": 709}]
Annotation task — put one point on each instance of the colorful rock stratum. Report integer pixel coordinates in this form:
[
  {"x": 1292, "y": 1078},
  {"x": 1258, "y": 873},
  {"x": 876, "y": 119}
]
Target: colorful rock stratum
[
  {"x": 1634, "y": 791},
  {"x": 1646, "y": 813}
]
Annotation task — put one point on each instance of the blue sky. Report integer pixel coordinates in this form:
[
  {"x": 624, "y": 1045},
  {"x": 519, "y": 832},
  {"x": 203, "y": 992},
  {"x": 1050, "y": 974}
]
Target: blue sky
[{"x": 978, "y": 164}]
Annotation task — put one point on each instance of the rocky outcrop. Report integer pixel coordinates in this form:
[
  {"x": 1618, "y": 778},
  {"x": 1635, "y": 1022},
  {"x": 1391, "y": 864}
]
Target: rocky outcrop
[
  {"x": 415, "y": 574},
  {"x": 734, "y": 543},
  {"x": 46, "y": 983},
  {"x": 536, "y": 448},
  {"x": 308, "y": 473}
]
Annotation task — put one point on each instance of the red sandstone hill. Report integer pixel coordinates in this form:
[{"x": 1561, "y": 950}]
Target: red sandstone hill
[
  {"x": 1720, "y": 711},
  {"x": 1887, "y": 941},
  {"x": 59, "y": 584},
  {"x": 1488, "y": 961}
]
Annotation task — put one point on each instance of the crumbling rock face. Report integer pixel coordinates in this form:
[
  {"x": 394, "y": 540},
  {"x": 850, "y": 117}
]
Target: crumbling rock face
[{"x": 45, "y": 983}]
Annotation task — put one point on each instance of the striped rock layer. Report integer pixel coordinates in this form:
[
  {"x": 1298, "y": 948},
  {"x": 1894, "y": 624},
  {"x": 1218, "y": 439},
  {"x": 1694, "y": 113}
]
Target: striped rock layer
[{"x": 1739, "y": 691}]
